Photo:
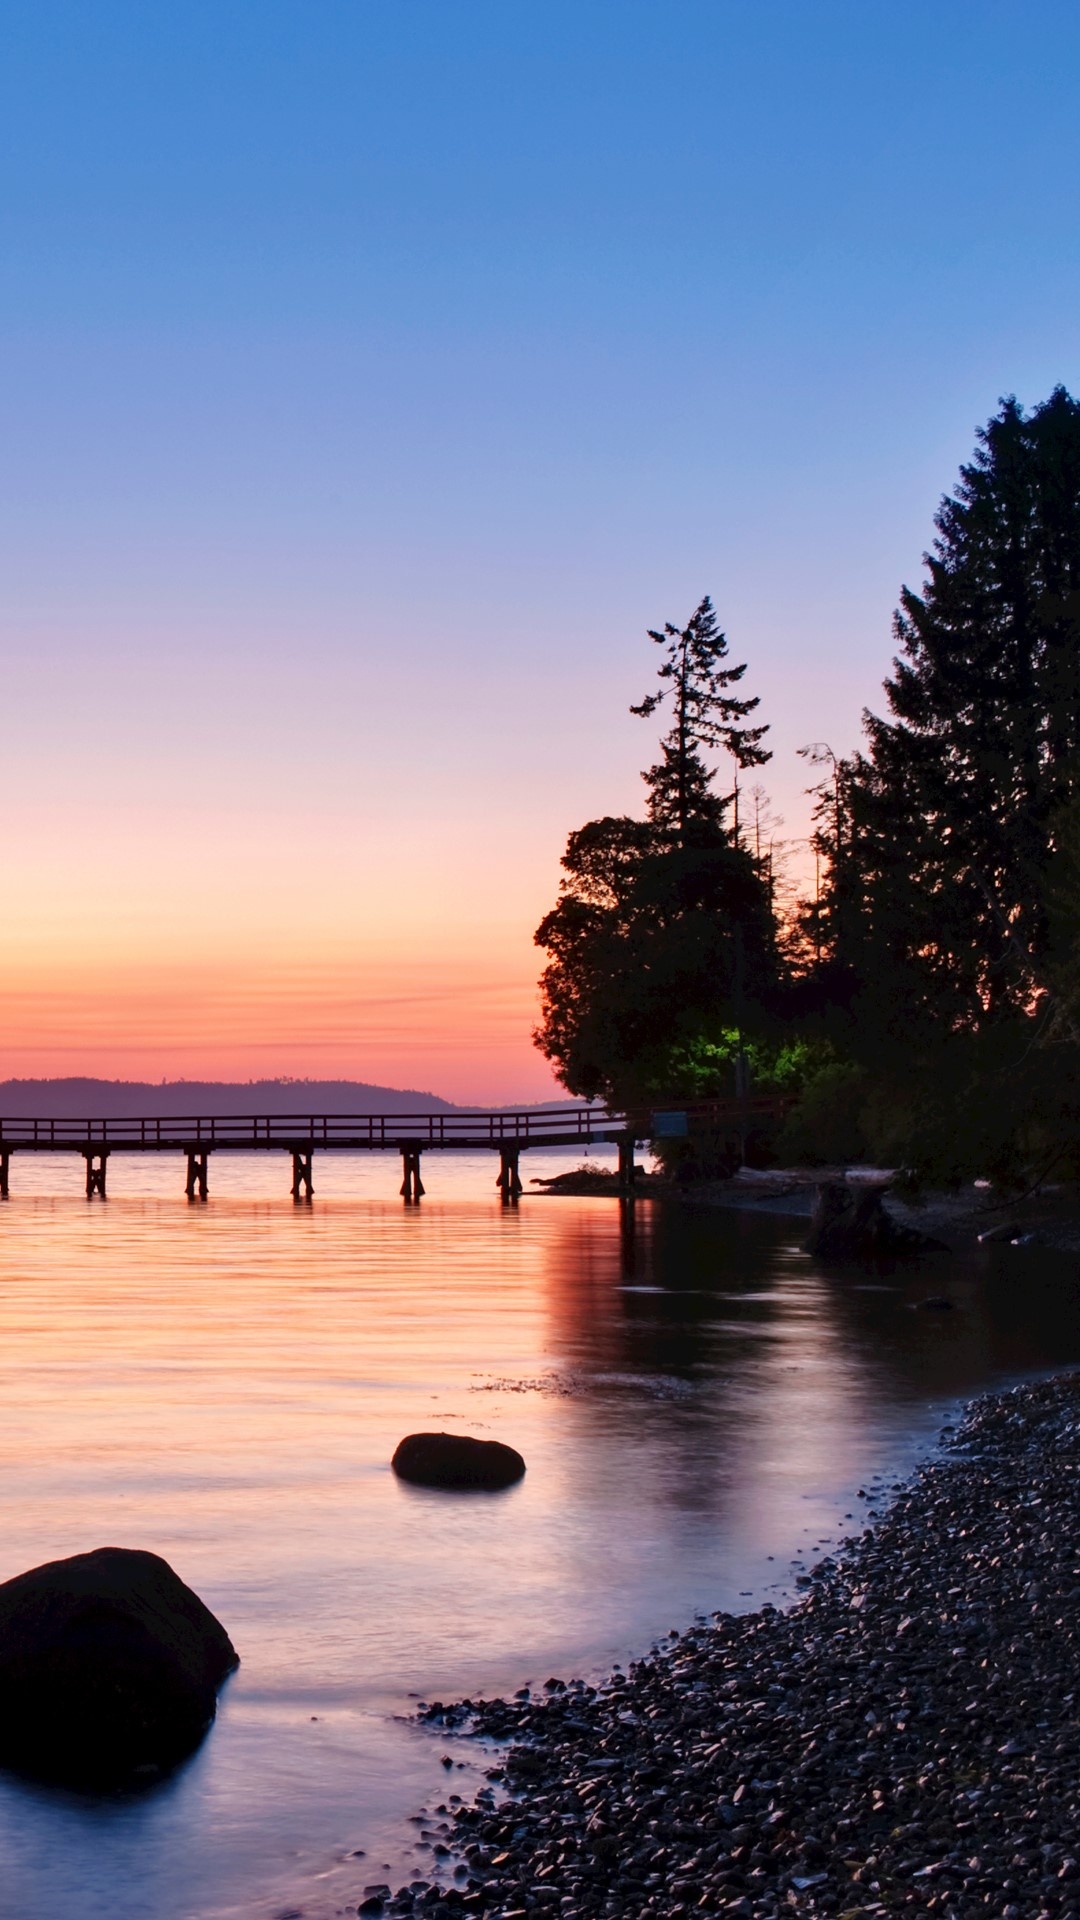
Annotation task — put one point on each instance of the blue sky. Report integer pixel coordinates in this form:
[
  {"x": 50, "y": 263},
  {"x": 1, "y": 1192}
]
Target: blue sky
[{"x": 374, "y": 374}]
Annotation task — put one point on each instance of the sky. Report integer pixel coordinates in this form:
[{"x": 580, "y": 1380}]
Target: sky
[{"x": 373, "y": 374}]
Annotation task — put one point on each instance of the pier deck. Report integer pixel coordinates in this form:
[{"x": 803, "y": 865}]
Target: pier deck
[{"x": 504, "y": 1131}]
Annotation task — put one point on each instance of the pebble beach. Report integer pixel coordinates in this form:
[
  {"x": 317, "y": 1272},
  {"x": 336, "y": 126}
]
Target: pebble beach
[{"x": 906, "y": 1737}]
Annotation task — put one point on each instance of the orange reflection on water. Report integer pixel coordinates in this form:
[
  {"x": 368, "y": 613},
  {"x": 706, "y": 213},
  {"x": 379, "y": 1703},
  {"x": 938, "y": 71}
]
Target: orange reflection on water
[{"x": 225, "y": 1384}]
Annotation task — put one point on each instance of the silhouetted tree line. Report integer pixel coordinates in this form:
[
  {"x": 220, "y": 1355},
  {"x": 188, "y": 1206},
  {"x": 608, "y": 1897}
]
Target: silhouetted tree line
[{"x": 924, "y": 1004}]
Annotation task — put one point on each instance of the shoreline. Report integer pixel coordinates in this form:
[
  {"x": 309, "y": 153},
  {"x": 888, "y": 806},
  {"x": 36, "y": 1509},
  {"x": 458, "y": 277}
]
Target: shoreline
[
  {"x": 907, "y": 1736},
  {"x": 967, "y": 1218}
]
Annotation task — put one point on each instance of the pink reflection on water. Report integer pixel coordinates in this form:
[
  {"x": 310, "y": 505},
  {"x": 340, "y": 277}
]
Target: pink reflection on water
[{"x": 226, "y": 1383}]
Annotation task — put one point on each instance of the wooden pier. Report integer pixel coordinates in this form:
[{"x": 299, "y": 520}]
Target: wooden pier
[{"x": 300, "y": 1136}]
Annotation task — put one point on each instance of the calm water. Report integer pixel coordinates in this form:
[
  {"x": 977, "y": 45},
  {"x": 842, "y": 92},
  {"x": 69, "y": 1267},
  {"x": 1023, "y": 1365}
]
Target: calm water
[{"x": 225, "y": 1384}]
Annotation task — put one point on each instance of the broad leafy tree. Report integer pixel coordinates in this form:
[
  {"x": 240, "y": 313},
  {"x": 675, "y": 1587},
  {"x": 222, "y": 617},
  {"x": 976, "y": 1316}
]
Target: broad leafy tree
[{"x": 663, "y": 924}]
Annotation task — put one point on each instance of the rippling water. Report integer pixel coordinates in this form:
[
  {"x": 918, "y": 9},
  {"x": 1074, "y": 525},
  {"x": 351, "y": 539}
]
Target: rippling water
[{"x": 225, "y": 1384}]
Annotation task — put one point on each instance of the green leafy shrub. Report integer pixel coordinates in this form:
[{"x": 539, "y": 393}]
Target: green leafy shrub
[{"x": 828, "y": 1124}]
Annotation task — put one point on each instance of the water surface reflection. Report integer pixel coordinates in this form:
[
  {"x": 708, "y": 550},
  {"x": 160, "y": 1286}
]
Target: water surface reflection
[{"x": 698, "y": 1403}]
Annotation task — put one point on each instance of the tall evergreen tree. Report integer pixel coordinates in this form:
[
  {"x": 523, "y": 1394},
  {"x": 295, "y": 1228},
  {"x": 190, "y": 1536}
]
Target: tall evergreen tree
[
  {"x": 706, "y": 717},
  {"x": 951, "y": 809}
]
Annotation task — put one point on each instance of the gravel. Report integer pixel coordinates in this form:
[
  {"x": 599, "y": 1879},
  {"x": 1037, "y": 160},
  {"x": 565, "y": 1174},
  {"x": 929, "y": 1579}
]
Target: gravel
[{"x": 906, "y": 1737}]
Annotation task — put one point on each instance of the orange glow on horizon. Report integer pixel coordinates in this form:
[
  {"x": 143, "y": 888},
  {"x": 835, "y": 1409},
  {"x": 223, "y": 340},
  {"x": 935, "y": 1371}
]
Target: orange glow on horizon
[
  {"x": 199, "y": 943},
  {"x": 455, "y": 1029}
]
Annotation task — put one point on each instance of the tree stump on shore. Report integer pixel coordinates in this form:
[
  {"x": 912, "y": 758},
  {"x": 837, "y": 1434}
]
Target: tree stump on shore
[{"x": 852, "y": 1224}]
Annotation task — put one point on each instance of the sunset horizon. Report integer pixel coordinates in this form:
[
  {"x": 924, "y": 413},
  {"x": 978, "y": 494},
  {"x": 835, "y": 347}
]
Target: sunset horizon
[
  {"x": 356, "y": 442},
  {"x": 539, "y": 960}
]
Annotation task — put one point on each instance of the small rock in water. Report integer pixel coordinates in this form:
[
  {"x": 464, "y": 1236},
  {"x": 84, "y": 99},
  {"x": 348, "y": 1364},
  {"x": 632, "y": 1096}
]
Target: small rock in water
[{"x": 458, "y": 1462}]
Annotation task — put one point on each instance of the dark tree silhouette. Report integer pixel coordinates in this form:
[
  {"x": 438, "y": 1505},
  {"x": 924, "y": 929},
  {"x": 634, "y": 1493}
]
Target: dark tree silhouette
[
  {"x": 954, "y": 802},
  {"x": 706, "y": 718},
  {"x": 662, "y": 924},
  {"x": 943, "y": 944}
]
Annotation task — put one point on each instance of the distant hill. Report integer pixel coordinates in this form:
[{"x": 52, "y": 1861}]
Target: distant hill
[{"x": 84, "y": 1099}]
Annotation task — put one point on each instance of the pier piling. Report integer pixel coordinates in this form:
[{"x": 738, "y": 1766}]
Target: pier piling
[
  {"x": 412, "y": 1186},
  {"x": 509, "y": 1180},
  {"x": 302, "y": 1188},
  {"x": 197, "y": 1175},
  {"x": 95, "y": 1172},
  {"x": 5, "y": 1170}
]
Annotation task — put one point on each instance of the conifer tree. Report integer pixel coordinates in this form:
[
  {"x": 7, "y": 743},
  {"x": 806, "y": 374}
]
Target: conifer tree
[
  {"x": 706, "y": 717},
  {"x": 952, "y": 806}
]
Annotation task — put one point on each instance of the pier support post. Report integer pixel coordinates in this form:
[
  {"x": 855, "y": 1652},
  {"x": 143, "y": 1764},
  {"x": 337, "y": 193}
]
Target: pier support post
[
  {"x": 509, "y": 1180},
  {"x": 5, "y": 1171},
  {"x": 628, "y": 1226},
  {"x": 626, "y": 1164},
  {"x": 412, "y": 1186},
  {"x": 197, "y": 1175},
  {"x": 302, "y": 1188},
  {"x": 95, "y": 1172}
]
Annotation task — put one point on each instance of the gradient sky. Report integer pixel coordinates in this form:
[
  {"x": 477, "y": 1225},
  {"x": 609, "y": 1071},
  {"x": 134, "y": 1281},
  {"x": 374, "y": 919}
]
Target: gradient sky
[{"x": 373, "y": 373}]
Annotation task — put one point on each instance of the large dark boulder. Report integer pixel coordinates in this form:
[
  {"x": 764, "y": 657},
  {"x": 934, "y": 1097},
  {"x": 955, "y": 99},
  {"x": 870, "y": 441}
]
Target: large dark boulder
[
  {"x": 109, "y": 1669},
  {"x": 457, "y": 1461}
]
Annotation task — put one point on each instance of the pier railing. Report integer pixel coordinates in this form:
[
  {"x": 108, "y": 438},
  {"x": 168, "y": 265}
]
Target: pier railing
[
  {"x": 505, "y": 1131},
  {"x": 536, "y": 1126},
  {"x": 356, "y": 1132}
]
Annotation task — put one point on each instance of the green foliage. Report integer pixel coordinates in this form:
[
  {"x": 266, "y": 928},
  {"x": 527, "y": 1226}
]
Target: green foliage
[
  {"x": 647, "y": 942},
  {"x": 827, "y": 1126},
  {"x": 993, "y": 1103},
  {"x": 703, "y": 1067},
  {"x": 1002, "y": 1103}
]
